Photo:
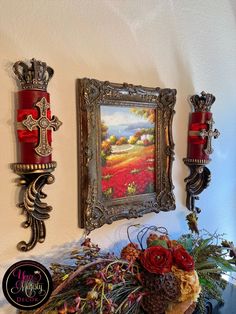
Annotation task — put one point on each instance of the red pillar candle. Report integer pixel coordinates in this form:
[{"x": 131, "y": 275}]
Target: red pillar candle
[
  {"x": 196, "y": 143},
  {"x": 29, "y": 139}
]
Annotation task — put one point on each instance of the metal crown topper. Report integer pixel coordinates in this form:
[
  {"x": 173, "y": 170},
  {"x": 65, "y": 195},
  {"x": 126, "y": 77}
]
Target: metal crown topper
[
  {"x": 200, "y": 136},
  {"x": 34, "y": 128}
]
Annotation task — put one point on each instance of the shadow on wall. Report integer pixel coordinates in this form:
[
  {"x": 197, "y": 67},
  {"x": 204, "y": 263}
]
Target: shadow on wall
[
  {"x": 233, "y": 8},
  {"x": 184, "y": 87}
]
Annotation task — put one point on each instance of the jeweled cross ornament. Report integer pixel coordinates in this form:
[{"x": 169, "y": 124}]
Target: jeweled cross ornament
[
  {"x": 43, "y": 123},
  {"x": 209, "y": 134}
]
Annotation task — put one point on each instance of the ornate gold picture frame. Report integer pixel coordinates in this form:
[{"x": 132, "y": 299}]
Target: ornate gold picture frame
[{"x": 125, "y": 151}]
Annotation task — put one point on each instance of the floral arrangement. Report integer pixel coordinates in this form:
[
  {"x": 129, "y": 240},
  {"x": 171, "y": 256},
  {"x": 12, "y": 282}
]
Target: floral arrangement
[
  {"x": 162, "y": 276},
  {"x": 171, "y": 284}
]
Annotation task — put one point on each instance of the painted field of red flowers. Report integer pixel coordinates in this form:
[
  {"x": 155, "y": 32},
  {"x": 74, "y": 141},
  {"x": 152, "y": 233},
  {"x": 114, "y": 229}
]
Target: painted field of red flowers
[{"x": 129, "y": 173}]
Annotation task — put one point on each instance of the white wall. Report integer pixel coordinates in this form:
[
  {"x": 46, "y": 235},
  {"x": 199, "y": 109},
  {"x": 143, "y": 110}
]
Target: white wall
[{"x": 184, "y": 44}]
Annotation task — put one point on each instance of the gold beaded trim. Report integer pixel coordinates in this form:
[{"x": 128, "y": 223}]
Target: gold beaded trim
[
  {"x": 27, "y": 168},
  {"x": 196, "y": 161}
]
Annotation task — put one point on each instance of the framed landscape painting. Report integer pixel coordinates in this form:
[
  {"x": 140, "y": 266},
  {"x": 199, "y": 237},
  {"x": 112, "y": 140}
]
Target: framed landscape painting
[{"x": 125, "y": 151}]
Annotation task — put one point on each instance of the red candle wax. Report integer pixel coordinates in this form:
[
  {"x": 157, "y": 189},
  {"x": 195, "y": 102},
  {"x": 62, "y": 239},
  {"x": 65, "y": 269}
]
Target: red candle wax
[
  {"x": 197, "y": 144},
  {"x": 29, "y": 139}
]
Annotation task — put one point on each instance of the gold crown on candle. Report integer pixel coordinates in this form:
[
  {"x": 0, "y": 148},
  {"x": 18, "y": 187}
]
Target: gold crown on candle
[
  {"x": 203, "y": 102},
  {"x": 35, "y": 76}
]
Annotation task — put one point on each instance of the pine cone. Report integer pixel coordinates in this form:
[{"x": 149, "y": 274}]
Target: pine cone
[
  {"x": 153, "y": 282},
  {"x": 171, "y": 287},
  {"x": 154, "y": 304},
  {"x": 130, "y": 252},
  {"x": 163, "y": 290}
]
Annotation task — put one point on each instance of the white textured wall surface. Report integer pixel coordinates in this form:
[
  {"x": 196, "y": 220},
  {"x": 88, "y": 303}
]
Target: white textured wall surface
[{"x": 184, "y": 44}]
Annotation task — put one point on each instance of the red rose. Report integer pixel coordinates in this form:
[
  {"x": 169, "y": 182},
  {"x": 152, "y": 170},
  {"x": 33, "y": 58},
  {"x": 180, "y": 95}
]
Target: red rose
[
  {"x": 182, "y": 259},
  {"x": 156, "y": 259}
]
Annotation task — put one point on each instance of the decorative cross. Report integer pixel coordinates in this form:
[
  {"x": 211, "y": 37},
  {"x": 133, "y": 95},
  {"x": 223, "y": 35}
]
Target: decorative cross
[
  {"x": 43, "y": 123},
  {"x": 209, "y": 134}
]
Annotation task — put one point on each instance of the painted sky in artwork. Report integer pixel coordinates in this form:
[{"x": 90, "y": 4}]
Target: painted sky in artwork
[{"x": 121, "y": 121}]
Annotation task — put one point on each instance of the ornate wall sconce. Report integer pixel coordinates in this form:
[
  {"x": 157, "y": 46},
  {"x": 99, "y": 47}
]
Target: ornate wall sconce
[
  {"x": 35, "y": 166},
  {"x": 200, "y": 136}
]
